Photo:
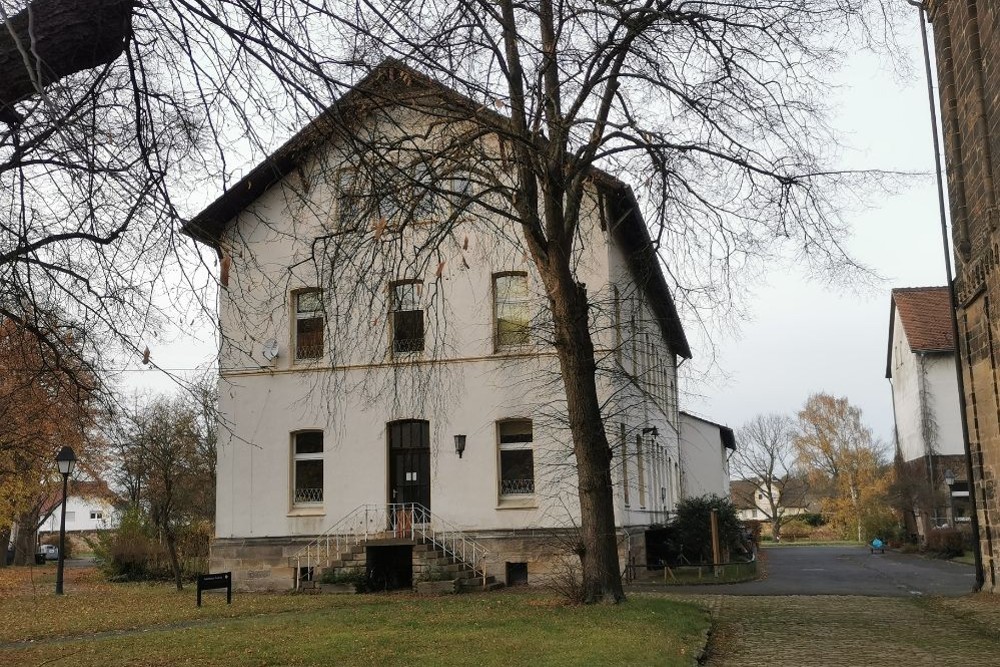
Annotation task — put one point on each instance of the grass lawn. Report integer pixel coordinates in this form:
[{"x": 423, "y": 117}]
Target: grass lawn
[
  {"x": 154, "y": 625},
  {"x": 967, "y": 558}
]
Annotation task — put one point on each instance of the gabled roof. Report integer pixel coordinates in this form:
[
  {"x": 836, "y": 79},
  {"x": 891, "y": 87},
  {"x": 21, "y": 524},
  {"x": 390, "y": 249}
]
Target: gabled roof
[
  {"x": 725, "y": 433},
  {"x": 742, "y": 492},
  {"x": 390, "y": 80},
  {"x": 925, "y": 313}
]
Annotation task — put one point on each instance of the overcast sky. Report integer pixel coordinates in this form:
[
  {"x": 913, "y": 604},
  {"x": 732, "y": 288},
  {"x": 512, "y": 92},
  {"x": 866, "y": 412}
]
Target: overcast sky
[
  {"x": 802, "y": 337},
  {"x": 806, "y": 338}
]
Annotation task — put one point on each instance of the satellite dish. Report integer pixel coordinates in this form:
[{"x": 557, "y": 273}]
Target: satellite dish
[{"x": 270, "y": 350}]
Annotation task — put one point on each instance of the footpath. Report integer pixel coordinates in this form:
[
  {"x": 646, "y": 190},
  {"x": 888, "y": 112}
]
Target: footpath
[{"x": 828, "y": 630}]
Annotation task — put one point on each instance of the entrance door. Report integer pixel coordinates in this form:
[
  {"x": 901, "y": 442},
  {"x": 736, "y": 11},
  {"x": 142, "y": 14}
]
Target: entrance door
[{"x": 410, "y": 462}]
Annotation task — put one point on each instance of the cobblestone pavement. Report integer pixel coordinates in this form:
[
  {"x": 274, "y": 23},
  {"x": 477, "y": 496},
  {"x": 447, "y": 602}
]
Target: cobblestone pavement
[{"x": 832, "y": 630}]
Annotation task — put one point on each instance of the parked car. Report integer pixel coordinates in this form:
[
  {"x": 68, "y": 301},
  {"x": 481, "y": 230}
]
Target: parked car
[{"x": 50, "y": 551}]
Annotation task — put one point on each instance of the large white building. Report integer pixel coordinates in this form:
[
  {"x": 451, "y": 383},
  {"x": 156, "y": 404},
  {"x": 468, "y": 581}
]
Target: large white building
[
  {"x": 372, "y": 367},
  {"x": 920, "y": 366}
]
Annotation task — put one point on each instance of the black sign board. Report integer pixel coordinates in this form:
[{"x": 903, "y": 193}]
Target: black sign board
[{"x": 209, "y": 582}]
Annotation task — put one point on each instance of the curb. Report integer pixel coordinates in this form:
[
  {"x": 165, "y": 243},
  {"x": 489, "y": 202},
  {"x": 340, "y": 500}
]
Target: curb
[{"x": 704, "y": 651}]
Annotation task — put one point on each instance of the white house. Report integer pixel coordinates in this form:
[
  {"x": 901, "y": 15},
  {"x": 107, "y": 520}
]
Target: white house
[
  {"x": 920, "y": 367},
  {"x": 88, "y": 508},
  {"x": 83, "y": 514},
  {"x": 386, "y": 384},
  {"x": 705, "y": 447},
  {"x": 750, "y": 497}
]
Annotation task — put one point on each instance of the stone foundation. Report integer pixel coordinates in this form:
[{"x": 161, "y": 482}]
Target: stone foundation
[{"x": 264, "y": 563}]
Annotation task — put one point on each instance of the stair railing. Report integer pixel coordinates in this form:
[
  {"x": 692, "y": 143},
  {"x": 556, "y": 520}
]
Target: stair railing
[{"x": 410, "y": 521}]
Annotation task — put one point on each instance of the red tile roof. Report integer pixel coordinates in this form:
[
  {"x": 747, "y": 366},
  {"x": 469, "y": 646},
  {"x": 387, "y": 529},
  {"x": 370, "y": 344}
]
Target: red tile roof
[{"x": 926, "y": 316}]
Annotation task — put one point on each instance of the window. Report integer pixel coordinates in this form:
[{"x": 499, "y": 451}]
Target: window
[
  {"x": 624, "y": 443},
  {"x": 642, "y": 469},
  {"x": 517, "y": 463},
  {"x": 517, "y": 574},
  {"x": 350, "y": 199},
  {"x": 511, "y": 308},
  {"x": 70, "y": 517},
  {"x": 96, "y": 515},
  {"x": 617, "y": 314},
  {"x": 407, "y": 316},
  {"x": 307, "y": 473},
  {"x": 308, "y": 324}
]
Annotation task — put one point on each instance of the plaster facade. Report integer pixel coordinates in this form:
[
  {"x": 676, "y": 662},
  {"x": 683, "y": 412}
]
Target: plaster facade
[
  {"x": 83, "y": 513},
  {"x": 924, "y": 399},
  {"x": 358, "y": 384},
  {"x": 705, "y": 448}
]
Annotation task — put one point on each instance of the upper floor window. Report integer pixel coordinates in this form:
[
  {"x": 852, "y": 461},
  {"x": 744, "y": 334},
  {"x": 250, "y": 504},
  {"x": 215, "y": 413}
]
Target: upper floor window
[
  {"x": 616, "y": 308},
  {"x": 407, "y": 316},
  {"x": 307, "y": 468},
  {"x": 511, "y": 307},
  {"x": 350, "y": 199},
  {"x": 517, "y": 460},
  {"x": 624, "y": 447},
  {"x": 308, "y": 324},
  {"x": 640, "y": 462}
]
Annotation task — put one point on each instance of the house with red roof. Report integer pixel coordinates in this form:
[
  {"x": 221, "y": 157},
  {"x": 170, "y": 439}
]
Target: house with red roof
[{"x": 920, "y": 367}]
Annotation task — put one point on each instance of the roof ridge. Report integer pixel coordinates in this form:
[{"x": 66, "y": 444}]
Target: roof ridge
[{"x": 925, "y": 288}]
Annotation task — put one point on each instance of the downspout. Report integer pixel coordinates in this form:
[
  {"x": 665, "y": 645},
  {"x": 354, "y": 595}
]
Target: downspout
[{"x": 952, "y": 300}]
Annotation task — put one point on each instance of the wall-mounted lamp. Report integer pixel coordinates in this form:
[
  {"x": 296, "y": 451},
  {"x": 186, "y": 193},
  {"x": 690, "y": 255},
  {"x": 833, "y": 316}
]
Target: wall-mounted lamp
[
  {"x": 949, "y": 477},
  {"x": 459, "y": 445}
]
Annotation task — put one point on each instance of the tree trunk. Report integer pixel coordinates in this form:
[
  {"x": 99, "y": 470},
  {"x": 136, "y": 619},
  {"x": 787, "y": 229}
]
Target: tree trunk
[
  {"x": 24, "y": 543},
  {"x": 175, "y": 564},
  {"x": 4, "y": 544},
  {"x": 575, "y": 349},
  {"x": 56, "y": 38},
  {"x": 776, "y": 528}
]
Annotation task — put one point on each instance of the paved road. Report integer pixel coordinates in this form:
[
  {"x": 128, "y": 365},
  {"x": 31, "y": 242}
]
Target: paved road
[
  {"x": 856, "y": 571},
  {"x": 846, "y": 570}
]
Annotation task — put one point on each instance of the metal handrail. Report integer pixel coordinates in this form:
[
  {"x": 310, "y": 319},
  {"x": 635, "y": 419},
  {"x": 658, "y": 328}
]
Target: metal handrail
[{"x": 403, "y": 520}]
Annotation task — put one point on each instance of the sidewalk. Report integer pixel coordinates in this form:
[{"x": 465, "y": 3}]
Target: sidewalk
[{"x": 822, "y": 631}]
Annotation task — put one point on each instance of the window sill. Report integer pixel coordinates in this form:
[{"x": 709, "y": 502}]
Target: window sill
[
  {"x": 310, "y": 361},
  {"x": 514, "y": 350},
  {"x": 307, "y": 511},
  {"x": 515, "y": 503}
]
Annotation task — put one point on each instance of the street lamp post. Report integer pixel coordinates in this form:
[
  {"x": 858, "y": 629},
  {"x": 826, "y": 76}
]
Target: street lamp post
[
  {"x": 66, "y": 460},
  {"x": 949, "y": 480}
]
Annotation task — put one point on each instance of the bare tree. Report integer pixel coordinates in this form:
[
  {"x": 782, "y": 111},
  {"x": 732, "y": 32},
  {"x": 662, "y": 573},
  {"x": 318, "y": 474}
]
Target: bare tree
[
  {"x": 712, "y": 111},
  {"x": 765, "y": 457},
  {"x": 167, "y": 459}
]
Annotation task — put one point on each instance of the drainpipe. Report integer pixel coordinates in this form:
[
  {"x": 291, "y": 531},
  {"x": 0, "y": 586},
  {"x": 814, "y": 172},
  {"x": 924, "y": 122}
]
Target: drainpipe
[{"x": 953, "y": 301}]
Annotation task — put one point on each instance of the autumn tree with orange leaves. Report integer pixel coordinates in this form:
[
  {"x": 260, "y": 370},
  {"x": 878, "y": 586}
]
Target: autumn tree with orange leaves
[
  {"x": 844, "y": 460},
  {"x": 47, "y": 393}
]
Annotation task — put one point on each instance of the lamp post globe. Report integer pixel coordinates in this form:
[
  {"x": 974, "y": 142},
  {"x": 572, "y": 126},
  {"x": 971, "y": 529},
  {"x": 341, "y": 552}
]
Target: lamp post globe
[{"x": 66, "y": 462}]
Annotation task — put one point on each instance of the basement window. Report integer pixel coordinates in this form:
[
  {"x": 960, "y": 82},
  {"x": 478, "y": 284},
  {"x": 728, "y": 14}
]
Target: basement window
[{"x": 517, "y": 574}]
